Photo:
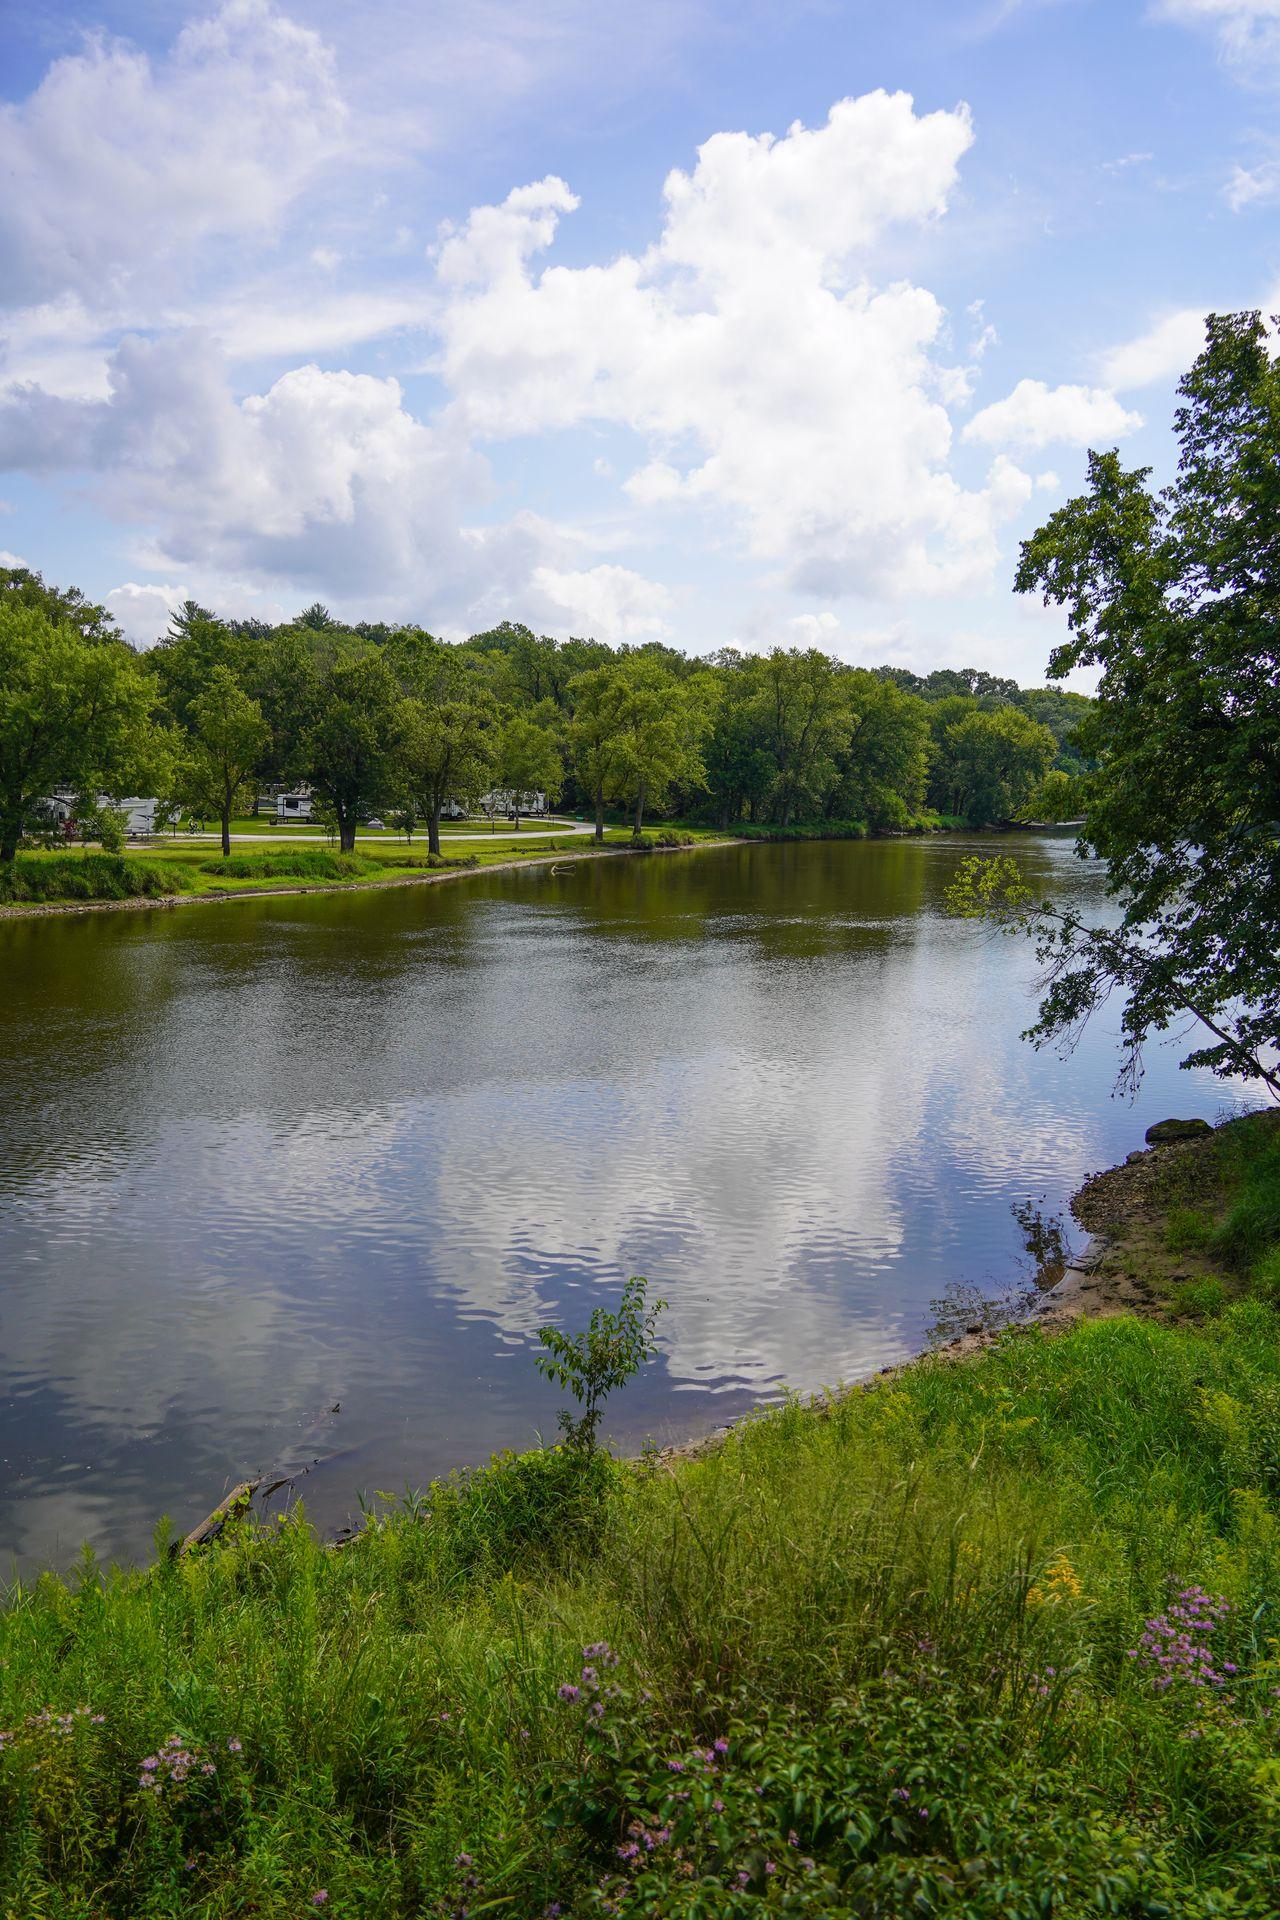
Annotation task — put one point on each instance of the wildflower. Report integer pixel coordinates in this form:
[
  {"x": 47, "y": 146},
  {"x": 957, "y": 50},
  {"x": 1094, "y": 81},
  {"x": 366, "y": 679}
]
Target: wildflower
[
  {"x": 568, "y": 1691},
  {"x": 770, "y": 1866},
  {"x": 721, "y": 1745},
  {"x": 150, "y": 1764},
  {"x": 675, "y": 1766},
  {"x": 462, "y": 1860},
  {"x": 902, "y": 1793},
  {"x": 320, "y": 1898},
  {"x": 234, "y": 1746},
  {"x": 629, "y": 1852},
  {"x": 1058, "y": 1582},
  {"x": 717, "y": 1806},
  {"x": 743, "y": 1877}
]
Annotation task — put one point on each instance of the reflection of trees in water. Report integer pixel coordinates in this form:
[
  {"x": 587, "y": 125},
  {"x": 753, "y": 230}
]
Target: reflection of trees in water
[
  {"x": 965, "y": 1308},
  {"x": 1045, "y": 1241}
]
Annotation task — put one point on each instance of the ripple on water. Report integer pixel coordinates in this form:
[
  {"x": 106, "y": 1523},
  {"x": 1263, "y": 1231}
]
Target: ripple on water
[{"x": 286, "y": 1154}]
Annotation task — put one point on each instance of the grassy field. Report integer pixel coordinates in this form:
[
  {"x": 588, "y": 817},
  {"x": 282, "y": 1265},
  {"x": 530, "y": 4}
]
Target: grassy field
[
  {"x": 994, "y": 1638},
  {"x": 190, "y": 867}
]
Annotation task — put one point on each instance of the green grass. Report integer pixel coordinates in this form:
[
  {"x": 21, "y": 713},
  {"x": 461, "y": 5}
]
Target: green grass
[
  {"x": 195, "y": 868},
  {"x": 92, "y": 876},
  {"x": 909, "y": 1615},
  {"x": 1251, "y": 1227},
  {"x": 1187, "y": 1228}
]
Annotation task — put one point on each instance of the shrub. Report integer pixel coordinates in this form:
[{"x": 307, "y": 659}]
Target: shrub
[
  {"x": 804, "y": 830},
  {"x": 91, "y": 876},
  {"x": 292, "y": 863},
  {"x": 673, "y": 837}
]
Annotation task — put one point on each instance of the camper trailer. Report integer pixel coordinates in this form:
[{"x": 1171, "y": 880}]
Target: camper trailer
[{"x": 294, "y": 806}]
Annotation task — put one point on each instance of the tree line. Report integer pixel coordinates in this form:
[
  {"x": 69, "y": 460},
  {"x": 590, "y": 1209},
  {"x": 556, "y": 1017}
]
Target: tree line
[{"x": 377, "y": 718}]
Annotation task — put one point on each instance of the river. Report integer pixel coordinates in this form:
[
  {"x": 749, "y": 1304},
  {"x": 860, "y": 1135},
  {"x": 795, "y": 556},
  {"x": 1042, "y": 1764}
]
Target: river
[{"x": 297, "y": 1180}]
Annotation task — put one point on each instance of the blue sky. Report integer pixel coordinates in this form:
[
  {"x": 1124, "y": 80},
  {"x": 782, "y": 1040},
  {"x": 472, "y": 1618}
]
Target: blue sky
[{"x": 748, "y": 324}]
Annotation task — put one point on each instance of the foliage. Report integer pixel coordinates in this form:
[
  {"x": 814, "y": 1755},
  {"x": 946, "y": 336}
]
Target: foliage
[
  {"x": 226, "y": 734},
  {"x": 90, "y": 876},
  {"x": 1172, "y": 596},
  {"x": 528, "y": 760},
  {"x": 594, "y": 1364},
  {"x": 74, "y": 711},
  {"x": 349, "y": 748},
  {"x": 917, "y": 1627},
  {"x": 1058, "y": 797},
  {"x": 450, "y": 721}
]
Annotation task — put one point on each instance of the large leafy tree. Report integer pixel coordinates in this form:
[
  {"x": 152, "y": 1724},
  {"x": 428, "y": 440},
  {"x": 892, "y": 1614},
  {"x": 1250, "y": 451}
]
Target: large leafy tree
[
  {"x": 804, "y": 723},
  {"x": 450, "y": 725},
  {"x": 661, "y": 721},
  {"x": 352, "y": 749},
  {"x": 1175, "y": 597},
  {"x": 66, "y": 606},
  {"x": 226, "y": 735},
  {"x": 882, "y": 765},
  {"x": 528, "y": 760},
  {"x": 596, "y": 748},
  {"x": 74, "y": 709}
]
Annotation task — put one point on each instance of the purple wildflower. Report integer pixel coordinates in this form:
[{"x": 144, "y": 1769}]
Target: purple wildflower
[{"x": 568, "y": 1691}]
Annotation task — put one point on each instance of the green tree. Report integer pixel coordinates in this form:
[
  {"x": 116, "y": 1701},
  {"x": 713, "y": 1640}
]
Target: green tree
[
  {"x": 226, "y": 734},
  {"x": 65, "y": 606},
  {"x": 528, "y": 761},
  {"x": 660, "y": 725},
  {"x": 804, "y": 723},
  {"x": 351, "y": 751},
  {"x": 1058, "y": 797},
  {"x": 450, "y": 725},
  {"x": 595, "y": 736},
  {"x": 74, "y": 711},
  {"x": 594, "y": 1364},
  {"x": 882, "y": 766},
  {"x": 739, "y": 769},
  {"x": 997, "y": 758},
  {"x": 1174, "y": 596}
]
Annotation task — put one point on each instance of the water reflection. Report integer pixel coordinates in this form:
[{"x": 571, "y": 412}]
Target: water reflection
[{"x": 263, "y": 1157}]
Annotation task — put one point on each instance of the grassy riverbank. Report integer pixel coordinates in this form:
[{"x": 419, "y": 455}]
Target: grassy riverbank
[
  {"x": 37, "y": 881},
  {"x": 991, "y": 1638}
]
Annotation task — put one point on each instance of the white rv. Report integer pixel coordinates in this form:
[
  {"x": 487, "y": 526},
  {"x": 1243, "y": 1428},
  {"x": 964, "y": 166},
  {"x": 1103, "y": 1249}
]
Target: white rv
[{"x": 295, "y": 805}]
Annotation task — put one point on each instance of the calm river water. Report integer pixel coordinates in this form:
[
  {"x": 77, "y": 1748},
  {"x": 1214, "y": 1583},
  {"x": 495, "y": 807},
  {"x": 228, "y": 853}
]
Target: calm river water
[{"x": 263, "y": 1160}]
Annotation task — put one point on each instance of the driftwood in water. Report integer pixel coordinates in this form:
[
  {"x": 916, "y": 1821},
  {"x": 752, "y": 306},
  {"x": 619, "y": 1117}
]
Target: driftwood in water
[{"x": 228, "y": 1508}]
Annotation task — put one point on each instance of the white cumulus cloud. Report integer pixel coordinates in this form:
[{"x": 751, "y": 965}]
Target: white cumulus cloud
[
  {"x": 1036, "y": 415},
  {"x": 115, "y": 162},
  {"x": 750, "y": 348},
  {"x": 1163, "y": 352}
]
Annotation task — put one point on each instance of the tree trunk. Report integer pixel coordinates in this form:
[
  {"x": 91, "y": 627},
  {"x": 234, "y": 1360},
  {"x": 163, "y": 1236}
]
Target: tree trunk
[
  {"x": 433, "y": 829},
  {"x": 599, "y": 816},
  {"x": 639, "y": 819},
  {"x": 226, "y": 832},
  {"x": 346, "y": 829}
]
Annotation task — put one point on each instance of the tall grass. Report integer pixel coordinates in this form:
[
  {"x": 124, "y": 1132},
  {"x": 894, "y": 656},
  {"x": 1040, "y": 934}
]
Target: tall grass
[
  {"x": 90, "y": 876},
  {"x": 886, "y": 1657}
]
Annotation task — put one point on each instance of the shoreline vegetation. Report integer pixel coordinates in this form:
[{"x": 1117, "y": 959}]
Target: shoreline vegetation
[
  {"x": 993, "y": 1635},
  {"x": 171, "y": 875}
]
